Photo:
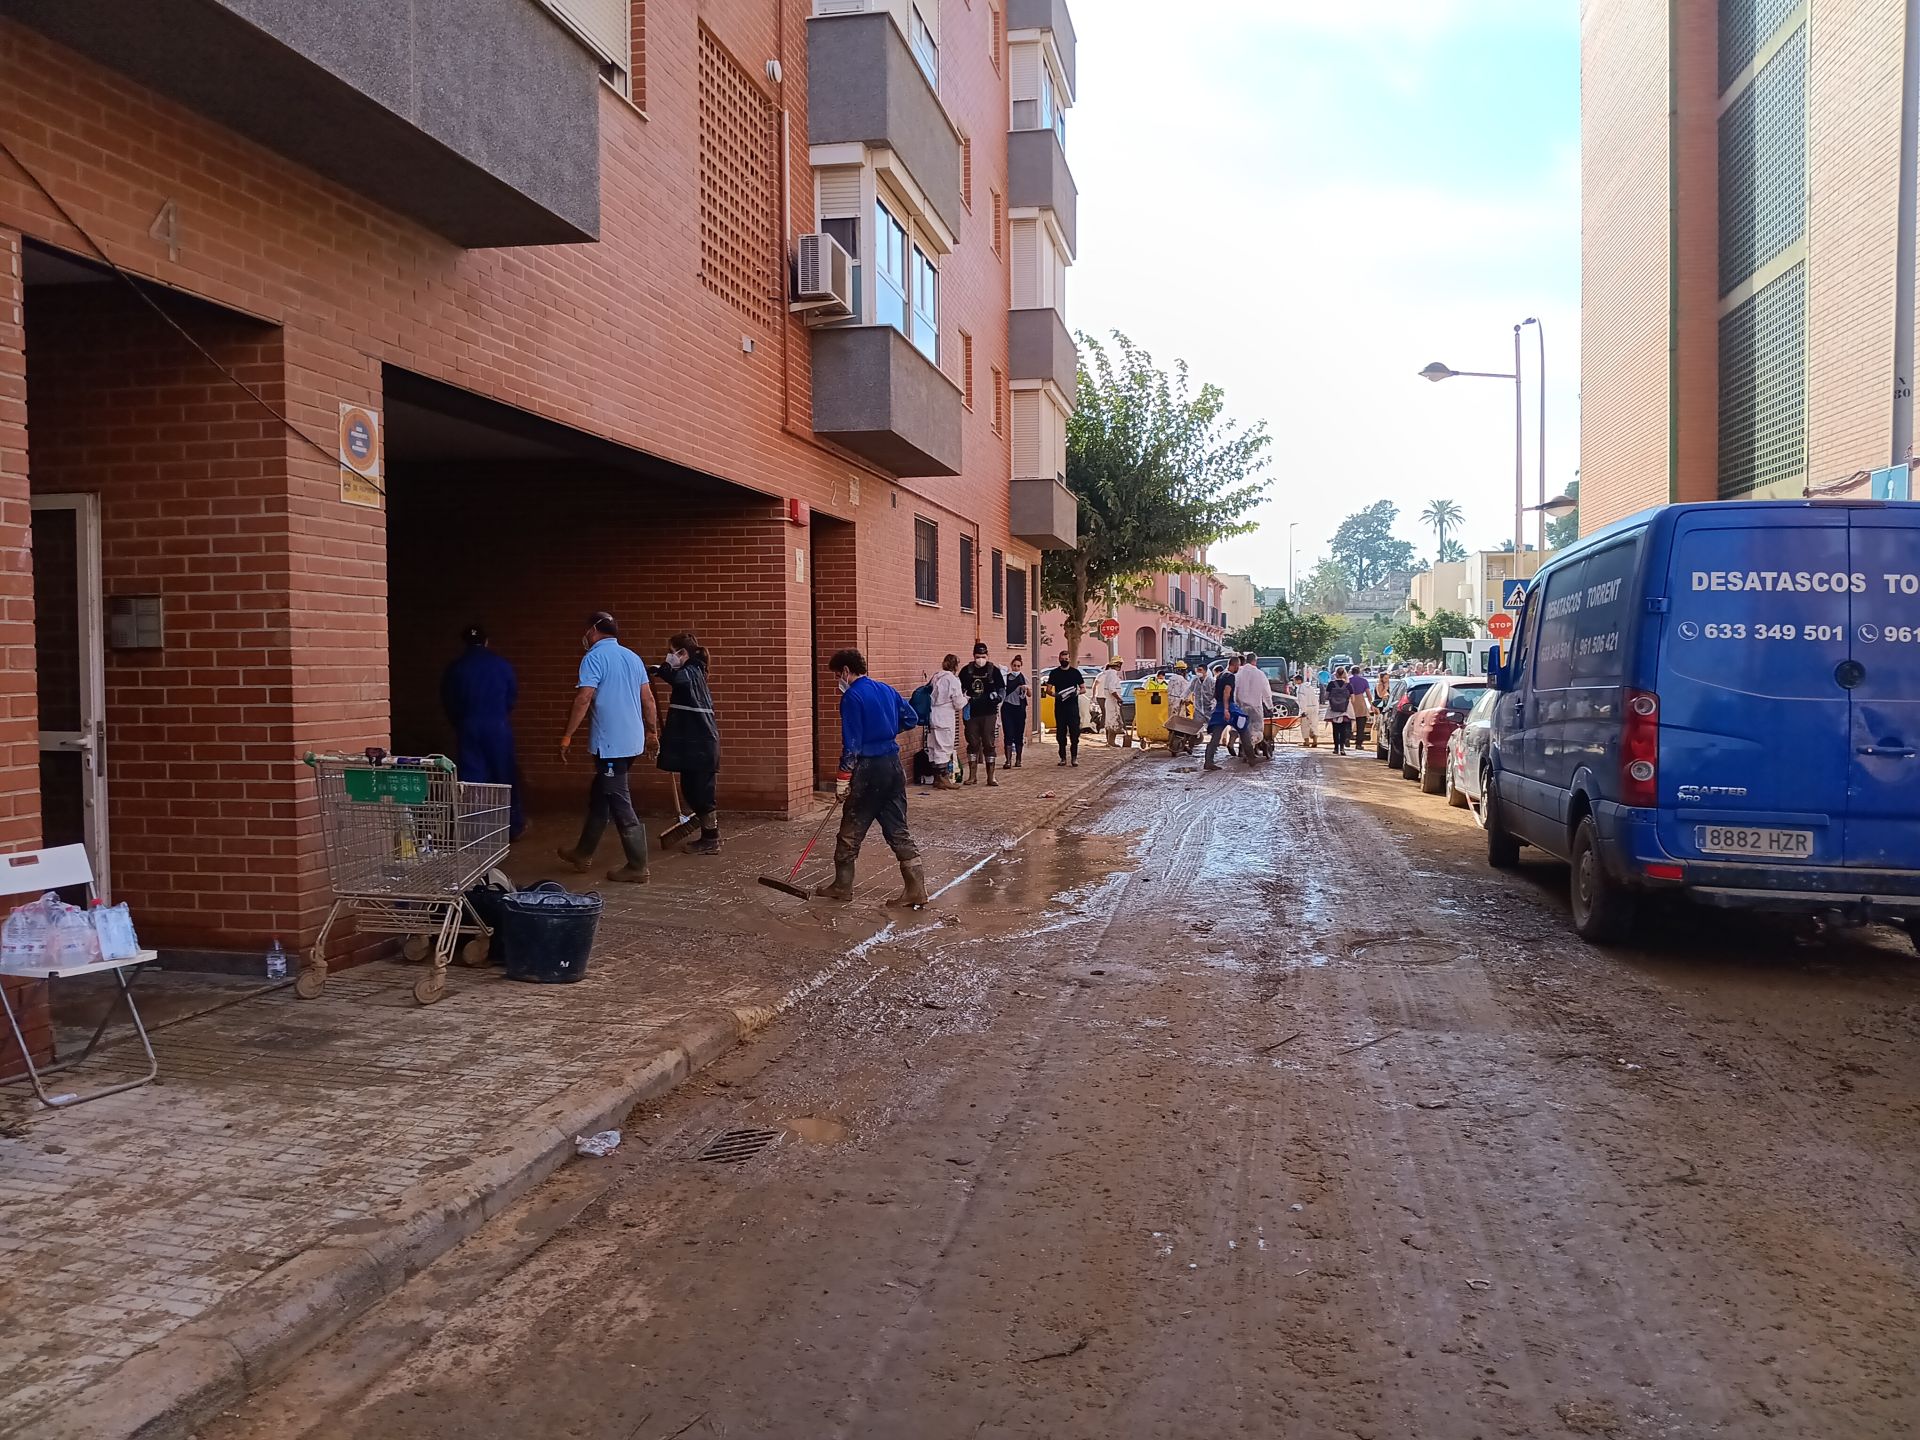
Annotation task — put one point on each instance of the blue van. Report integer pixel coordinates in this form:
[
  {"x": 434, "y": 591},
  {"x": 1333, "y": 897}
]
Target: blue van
[{"x": 1720, "y": 700}]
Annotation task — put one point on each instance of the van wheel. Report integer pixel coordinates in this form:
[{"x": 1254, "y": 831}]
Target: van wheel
[
  {"x": 1503, "y": 851},
  {"x": 1603, "y": 909}
]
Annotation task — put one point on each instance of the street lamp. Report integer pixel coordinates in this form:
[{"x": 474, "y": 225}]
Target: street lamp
[
  {"x": 1291, "y": 552},
  {"x": 1540, "y": 433},
  {"x": 1558, "y": 508},
  {"x": 1437, "y": 372}
]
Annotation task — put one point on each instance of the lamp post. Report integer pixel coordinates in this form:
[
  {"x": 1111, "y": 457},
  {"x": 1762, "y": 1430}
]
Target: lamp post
[
  {"x": 1291, "y": 552},
  {"x": 1437, "y": 372},
  {"x": 1540, "y": 432}
]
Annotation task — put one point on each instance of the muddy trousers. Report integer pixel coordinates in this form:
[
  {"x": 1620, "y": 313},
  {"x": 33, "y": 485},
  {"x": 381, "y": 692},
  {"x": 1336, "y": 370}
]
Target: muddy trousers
[
  {"x": 1066, "y": 726},
  {"x": 877, "y": 791},
  {"x": 609, "y": 798}
]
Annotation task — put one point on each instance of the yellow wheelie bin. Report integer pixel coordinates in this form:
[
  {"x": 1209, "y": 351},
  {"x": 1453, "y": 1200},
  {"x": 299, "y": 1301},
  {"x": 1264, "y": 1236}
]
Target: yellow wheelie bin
[
  {"x": 1046, "y": 714},
  {"x": 1150, "y": 712}
]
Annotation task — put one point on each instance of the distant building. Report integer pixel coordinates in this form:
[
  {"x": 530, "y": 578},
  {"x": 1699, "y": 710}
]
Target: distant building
[
  {"x": 1171, "y": 617},
  {"x": 1472, "y": 586},
  {"x": 1242, "y": 601},
  {"x": 1388, "y": 597},
  {"x": 1268, "y": 596}
]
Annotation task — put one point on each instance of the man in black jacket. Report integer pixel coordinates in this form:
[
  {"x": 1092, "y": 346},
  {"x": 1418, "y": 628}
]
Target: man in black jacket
[{"x": 985, "y": 687}]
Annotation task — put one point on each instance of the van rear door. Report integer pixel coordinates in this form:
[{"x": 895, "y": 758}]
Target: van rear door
[
  {"x": 1883, "y": 798},
  {"x": 1755, "y": 760}
]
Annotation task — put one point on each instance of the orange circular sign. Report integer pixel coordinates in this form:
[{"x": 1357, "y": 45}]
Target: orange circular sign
[{"x": 1500, "y": 626}]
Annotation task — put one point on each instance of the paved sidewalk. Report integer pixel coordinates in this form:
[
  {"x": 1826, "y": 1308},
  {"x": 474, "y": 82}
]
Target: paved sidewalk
[{"x": 360, "y": 1121}]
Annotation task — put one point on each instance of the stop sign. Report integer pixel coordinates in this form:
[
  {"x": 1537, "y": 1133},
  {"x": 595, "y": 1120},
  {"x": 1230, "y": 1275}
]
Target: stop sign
[
  {"x": 1109, "y": 628},
  {"x": 1500, "y": 625}
]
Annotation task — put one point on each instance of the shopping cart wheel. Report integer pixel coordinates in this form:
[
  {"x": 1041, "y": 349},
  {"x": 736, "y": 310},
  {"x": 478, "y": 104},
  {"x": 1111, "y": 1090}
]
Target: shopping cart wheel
[
  {"x": 310, "y": 982},
  {"x": 474, "y": 952},
  {"x": 417, "y": 947},
  {"x": 429, "y": 988}
]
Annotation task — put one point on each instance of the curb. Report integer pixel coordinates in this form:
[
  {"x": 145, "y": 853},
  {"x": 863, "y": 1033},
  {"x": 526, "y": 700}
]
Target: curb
[{"x": 213, "y": 1362}]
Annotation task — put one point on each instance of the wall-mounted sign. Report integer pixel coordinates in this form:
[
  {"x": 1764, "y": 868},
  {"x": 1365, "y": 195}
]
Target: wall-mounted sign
[{"x": 360, "y": 455}]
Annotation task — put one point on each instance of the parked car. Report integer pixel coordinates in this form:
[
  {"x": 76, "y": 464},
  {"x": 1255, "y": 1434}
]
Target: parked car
[
  {"x": 1467, "y": 756},
  {"x": 1402, "y": 700},
  {"x": 1717, "y": 701},
  {"x": 1424, "y": 737}
]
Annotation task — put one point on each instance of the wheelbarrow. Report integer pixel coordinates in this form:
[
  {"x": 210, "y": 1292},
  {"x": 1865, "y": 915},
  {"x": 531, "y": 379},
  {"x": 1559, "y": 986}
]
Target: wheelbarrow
[{"x": 1184, "y": 733}]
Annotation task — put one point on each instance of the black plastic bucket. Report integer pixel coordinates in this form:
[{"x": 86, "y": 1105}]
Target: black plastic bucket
[{"x": 548, "y": 933}]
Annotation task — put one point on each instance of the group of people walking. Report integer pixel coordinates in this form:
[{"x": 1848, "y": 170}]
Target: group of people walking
[
  {"x": 1344, "y": 699},
  {"x": 971, "y": 706}
]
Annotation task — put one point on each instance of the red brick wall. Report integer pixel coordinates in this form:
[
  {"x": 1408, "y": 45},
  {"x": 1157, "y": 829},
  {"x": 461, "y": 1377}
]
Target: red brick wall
[
  {"x": 192, "y": 479},
  {"x": 618, "y": 339},
  {"x": 19, "y": 741},
  {"x": 1625, "y": 257}
]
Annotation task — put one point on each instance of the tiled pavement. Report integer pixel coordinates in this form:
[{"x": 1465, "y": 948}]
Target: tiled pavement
[{"x": 276, "y": 1121}]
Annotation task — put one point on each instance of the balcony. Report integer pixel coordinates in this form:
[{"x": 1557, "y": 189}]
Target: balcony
[
  {"x": 1038, "y": 179},
  {"x": 478, "y": 119},
  {"x": 865, "y": 88},
  {"x": 1045, "y": 514},
  {"x": 876, "y": 395},
  {"x": 1049, "y": 15},
  {"x": 1041, "y": 349}
]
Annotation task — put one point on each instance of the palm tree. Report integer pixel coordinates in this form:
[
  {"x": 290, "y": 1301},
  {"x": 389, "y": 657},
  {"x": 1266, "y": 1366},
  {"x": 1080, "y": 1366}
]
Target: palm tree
[
  {"x": 1452, "y": 551},
  {"x": 1443, "y": 515}
]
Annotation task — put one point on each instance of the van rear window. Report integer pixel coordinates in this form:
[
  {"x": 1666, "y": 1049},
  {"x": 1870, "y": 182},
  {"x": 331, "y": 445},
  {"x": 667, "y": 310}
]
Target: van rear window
[
  {"x": 1608, "y": 580},
  {"x": 1761, "y": 609}
]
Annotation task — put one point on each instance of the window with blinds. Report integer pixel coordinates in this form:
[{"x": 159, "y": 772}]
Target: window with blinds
[{"x": 1763, "y": 387}]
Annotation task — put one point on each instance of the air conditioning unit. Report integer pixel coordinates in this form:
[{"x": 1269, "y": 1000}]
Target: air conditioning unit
[{"x": 823, "y": 279}]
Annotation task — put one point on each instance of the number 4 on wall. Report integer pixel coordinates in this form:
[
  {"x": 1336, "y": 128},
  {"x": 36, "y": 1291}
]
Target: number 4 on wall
[{"x": 166, "y": 229}]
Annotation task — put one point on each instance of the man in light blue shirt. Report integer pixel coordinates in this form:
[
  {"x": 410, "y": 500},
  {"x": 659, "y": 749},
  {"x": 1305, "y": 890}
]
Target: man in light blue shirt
[{"x": 613, "y": 687}]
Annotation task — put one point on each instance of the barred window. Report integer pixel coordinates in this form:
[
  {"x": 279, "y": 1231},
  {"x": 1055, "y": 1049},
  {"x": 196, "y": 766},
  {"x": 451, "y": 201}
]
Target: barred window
[
  {"x": 996, "y": 580},
  {"x": 1016, "y": 606},
  {"x": 926, "y": 561},
  {"x": 1763, "y": 387},
  {"x": 967, "y": 568},
  {"x": 739, "y": 227}
]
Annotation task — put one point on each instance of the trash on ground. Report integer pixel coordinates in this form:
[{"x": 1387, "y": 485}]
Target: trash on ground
[{"x": 603, "y": 1144}]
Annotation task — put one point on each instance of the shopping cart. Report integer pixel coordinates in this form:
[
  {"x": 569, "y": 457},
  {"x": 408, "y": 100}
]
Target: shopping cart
[{"x": 406, "y": 840}]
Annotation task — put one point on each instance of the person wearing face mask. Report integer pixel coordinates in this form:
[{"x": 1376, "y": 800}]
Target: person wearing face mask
[
  {"x": 613, "y": 688},
  {"x": 871, "y": 782},
  {"x": 690, "y": 736},
  {"x": 945, "y": 727},
  {"x": 1013, "y": 712}
]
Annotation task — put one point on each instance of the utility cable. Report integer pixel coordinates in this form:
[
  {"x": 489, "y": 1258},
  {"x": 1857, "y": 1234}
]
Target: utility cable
[{"x": 133, "y": 283}]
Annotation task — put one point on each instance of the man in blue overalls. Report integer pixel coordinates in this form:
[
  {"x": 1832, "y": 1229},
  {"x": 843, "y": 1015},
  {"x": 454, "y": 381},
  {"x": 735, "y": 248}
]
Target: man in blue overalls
[
  {"x": 478, "y": 692},
  {"x": 872, "y": 717}
]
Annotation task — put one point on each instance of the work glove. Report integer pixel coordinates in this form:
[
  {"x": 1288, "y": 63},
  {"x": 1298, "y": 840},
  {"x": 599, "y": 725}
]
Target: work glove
[{"x": 842, "y": 783}]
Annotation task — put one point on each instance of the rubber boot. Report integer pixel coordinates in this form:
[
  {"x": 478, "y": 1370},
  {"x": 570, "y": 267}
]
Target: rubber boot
[
  {"x": 841, "y": 886},
  {"x": 575, "y": 861},
  {"x": 709, "y": 841},
  {"x": 973, "y": 772},
  {"x": 915, "y": 893},
  {"x": 944, "y": 781},
  {"x": 991, "y": 782},
  {"x": 634, "y": 872}
]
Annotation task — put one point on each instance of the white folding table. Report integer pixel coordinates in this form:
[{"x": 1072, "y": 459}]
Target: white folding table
[{"x": 34, "y": 872}]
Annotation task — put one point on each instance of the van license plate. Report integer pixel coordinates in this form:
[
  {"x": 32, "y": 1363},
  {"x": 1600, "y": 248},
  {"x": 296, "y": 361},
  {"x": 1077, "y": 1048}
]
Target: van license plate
[{"x": 1735, "y": 840}]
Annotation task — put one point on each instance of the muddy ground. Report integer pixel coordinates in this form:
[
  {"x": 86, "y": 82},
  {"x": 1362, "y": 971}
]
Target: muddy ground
[{"x": 1238, "y": 1105}]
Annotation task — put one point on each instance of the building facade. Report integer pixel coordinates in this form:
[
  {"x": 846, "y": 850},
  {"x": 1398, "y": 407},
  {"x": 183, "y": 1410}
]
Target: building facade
[
  {"x": 1473, "y": 587},
  {"x": 1239, "y": 601},
  {"x": 1740, "y": 227},
  {"x": 1172, "y": 617},
  {"x": 326, "y": 331}
]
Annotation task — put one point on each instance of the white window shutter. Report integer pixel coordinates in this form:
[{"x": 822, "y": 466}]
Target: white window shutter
[
  {"x": 1027, "y": 292},
  {"x": 1030, "y": 446},
  {"x": 602, "y": 24},
  {"x": 840, "y": 193}
]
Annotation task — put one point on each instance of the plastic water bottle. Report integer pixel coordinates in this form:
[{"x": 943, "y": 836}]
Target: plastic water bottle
[{"x": 276, "y": 961}]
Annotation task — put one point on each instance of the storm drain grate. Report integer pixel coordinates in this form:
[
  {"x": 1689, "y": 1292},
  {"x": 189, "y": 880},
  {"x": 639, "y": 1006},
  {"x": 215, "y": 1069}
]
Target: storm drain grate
[{"x": 731, "y": 1147}]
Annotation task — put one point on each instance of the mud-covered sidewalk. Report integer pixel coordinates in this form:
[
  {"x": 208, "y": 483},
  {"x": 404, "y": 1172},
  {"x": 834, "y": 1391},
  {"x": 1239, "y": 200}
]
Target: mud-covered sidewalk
[{"x": 170, "y": 1245}]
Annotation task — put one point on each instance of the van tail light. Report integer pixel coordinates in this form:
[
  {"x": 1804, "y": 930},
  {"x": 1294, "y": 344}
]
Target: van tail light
[{"x": 1640, "y": 750}]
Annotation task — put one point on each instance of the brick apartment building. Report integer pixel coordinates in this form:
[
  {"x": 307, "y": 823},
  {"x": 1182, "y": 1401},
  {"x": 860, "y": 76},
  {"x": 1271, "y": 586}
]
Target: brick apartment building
[
  {"x": 1171, "y": 617},
  {"x": 530, "y": 265},
  {"x": 1740, "y": 172}
]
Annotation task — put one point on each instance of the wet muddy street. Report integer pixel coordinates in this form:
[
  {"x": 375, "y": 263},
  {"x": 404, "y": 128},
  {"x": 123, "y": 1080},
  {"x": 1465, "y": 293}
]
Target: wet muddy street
[{"x": 1241, "y": 1104}]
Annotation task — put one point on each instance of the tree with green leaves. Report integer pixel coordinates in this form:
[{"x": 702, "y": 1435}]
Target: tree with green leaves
[
  {"x": 1420, "y": 640},
  {"x": 1365, "y": 546},
  {"x": 1277, "y": 630},
  {"x": 1564, "y": 531},
  {"x": 1327, "y": 588},
  {"x": 1442, "y": 515},
  {"x": 1452, "y": 552},
  {"x": 1159, "y": 472}
]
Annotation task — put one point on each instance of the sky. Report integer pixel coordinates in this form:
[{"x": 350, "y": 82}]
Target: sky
[{"x": 1308, "y": 201}]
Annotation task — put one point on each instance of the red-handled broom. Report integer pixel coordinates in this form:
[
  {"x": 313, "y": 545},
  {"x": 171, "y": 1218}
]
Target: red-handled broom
[{"x": 774, "y": 882}]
